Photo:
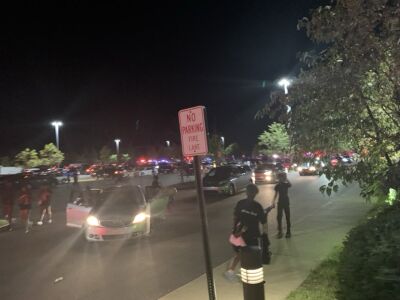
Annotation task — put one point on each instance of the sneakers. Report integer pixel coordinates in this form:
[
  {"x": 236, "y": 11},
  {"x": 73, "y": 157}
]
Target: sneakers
[
  {"x": 288, "y": 235},
  {"x": 50, "y": 221},
  {"x": 231, "y": 276},
  {"x": 40, "y": 223}
]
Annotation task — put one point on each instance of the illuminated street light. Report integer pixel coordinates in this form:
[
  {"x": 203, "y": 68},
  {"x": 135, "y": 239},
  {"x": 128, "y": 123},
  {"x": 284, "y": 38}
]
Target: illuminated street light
[
  {"x": 223, "y": 141},
  {"x": 117, "y": 141},
  {"x": 285, "y": 83},
  {"x": 57, "y": 125},
  {"x": 168, "y": 143}
]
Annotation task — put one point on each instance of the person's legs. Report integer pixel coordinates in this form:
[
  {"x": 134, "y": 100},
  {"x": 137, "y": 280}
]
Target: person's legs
[
  {"x": 230, "y": 272},
  {"x": 49, "y": 214},
  {"x": 279, "y": 219},
  {"x": 288, "y": 224}
]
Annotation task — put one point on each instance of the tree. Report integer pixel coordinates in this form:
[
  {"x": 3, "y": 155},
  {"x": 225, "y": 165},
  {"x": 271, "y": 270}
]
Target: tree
[
  {"x": 275, "y": 139},
  {"x": 104, "y": 155},
  {"x": 348, "y": 95},
  {"x": 232, "y": 149},
  {"x": 50, "y": 155},
  {"x": 215, "y": 146},
  {"x": 27, "y": 158},
  {"x": 125, "y": 157}
]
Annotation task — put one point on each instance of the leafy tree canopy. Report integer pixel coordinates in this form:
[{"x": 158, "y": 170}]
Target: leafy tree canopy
[
  {"x": 275, "y": 139},
  {"x": 348, "y": 95},
  {"x": 50, "y": 155},
  {"x": 28, "y": 158}
]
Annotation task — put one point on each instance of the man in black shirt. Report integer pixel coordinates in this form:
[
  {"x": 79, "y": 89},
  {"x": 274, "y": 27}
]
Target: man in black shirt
[
  {"x": 281, "y": 189},
  {"x": 248, "y": 214}
]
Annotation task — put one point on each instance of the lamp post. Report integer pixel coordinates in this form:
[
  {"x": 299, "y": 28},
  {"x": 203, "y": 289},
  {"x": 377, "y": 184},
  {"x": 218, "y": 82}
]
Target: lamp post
[
  {"x": 117, "y": 141},
  {"x": 57, "y": 125},
  {"x": 285, "y": 83},
  {"x": 168, "y": 143}
]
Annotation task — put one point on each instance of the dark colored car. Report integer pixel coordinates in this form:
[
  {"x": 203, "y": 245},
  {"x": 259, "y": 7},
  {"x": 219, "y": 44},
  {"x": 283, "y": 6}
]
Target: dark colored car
[
  {"x": 267, "y": 173},
  {"x": 166, "y": 168},
  {"x": 227, "y": 179}
]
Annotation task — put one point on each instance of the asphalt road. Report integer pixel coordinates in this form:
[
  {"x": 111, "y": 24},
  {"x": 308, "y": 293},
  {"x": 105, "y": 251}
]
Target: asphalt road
[{"x": 144, "y": 268}]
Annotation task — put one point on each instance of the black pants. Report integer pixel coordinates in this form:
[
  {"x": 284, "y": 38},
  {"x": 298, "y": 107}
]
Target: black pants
[{"x": 283, "y": 207}]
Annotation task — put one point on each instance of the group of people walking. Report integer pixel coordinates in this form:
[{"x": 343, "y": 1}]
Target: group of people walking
[
  {"x": 21, "y": 195},
  {"x": 249, "y": 217}
]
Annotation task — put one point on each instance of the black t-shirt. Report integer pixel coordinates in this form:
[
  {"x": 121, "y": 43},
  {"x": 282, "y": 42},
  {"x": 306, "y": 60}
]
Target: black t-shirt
[
  {"x": 249, "y": 213},
  {"x": 282, "y": 188}
]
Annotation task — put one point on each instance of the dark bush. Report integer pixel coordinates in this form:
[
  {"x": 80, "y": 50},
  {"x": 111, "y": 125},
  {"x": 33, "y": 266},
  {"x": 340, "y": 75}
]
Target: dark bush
[{"x": 369, "y": 266}]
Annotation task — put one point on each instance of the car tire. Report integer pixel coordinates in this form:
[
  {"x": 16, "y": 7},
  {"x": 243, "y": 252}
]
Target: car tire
[{"x": 231, "y": 190}]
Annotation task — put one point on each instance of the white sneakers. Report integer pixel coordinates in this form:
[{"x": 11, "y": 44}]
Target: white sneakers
[{"x": 231, "y": 276}]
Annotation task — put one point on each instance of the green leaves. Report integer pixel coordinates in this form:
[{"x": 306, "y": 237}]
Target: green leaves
[
  {"x": 275, "y": 139},
  {"x": 48, "y": 156}
]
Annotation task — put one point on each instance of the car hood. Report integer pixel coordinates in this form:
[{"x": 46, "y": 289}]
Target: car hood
[{"x": 116, "y": 212}]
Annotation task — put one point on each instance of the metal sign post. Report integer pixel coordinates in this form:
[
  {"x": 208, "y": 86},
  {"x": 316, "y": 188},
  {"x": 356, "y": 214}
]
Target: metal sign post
[{"x": 192, "y": 127}]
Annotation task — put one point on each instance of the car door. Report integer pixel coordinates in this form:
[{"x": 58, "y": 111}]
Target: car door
[
  {"x": 243, "y": 180},
  {"x": 159, "y": 202},
  {"x": 77, "y": 212}
]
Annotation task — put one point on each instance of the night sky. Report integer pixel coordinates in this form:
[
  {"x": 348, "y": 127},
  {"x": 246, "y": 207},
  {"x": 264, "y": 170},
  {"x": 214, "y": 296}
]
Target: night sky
[{"x": 102, "y": 78}]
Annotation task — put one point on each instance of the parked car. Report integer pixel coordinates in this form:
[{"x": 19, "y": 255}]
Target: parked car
[
  {"x": 119, "y": 212},
  {"x": 227, "y": 179},
  {"x": 145, "y": 171},
  {"x": 166, "y": 168},
  {"x": 266, "y": 173}
]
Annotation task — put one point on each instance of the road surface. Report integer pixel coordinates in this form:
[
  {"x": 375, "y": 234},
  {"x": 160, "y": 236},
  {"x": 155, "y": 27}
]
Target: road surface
[{"x": 54, "y": 262}]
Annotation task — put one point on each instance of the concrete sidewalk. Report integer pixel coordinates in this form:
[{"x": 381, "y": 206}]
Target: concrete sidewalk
[{"x": 314, "y": 236}]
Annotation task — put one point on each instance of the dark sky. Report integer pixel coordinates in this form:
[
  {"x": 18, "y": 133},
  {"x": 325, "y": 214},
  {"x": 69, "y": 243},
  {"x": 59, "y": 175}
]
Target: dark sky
[{"x": 100, "y": 75}]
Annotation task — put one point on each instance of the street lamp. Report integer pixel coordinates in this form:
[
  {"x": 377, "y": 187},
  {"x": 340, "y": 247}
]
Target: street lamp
[
  {"x": 117, "y": 141},
  {"x": 168, "y": 143},
  {"x": 285, "y": 83},
  {"x": 223, "y": 141},
  {"x": 57, "y": 125}
]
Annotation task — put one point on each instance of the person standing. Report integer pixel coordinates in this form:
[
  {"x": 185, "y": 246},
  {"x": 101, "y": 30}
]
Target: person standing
[
  {"x": 25, "y": 205},
  {"x": 8, "y": 197},
  {"x": 44, "y": 204},
  {"x": 281, "y": 192},
  {"x": 248, "y": 214}
]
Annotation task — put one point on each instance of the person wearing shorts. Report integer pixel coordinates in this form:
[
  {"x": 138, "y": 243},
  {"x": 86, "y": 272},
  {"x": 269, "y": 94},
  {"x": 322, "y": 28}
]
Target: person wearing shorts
[
  {"x": 25, "y": 205},
  {"x": 44, "y": 204}
]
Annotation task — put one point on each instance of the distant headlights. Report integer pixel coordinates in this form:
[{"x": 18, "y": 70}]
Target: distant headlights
[
  {"x": 312, "y": 168},
  {"x": 268, "y": 173},
  {"x": 139, "y": 218},
  {"x": 299, "y": 169},
  {"x": 93, "y": 221}
]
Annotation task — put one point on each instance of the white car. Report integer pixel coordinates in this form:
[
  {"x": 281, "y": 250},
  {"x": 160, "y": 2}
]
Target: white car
[
  {"x": 146, "y": 171},
  {"x": 119, "y": 212}
]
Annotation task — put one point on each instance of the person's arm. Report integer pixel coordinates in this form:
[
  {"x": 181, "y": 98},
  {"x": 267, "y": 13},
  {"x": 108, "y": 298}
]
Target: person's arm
[
  {"x": 288, "y": 183},
  {"x": 275, "y": 196}
]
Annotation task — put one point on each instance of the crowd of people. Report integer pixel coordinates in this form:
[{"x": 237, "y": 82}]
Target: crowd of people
[{"x": 21, "y": 195}]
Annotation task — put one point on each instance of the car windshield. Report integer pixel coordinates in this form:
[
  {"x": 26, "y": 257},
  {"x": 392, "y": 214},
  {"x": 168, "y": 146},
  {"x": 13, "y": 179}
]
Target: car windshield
[
  {"x": 222, "y": 172},
  {"x": 122, "y": 197},
  {"x": 265, "y": 167}
]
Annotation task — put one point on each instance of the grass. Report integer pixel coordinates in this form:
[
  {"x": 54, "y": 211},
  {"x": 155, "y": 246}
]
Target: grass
[{"x": 322, "y": 283}]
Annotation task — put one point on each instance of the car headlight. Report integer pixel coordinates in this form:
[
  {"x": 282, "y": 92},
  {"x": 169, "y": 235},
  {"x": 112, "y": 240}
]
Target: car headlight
[
  {"x": 268, "y": 173},
  {"x": 139, "y": 218},
  {"x": 93, "y": 221},
  {"x": 312, "y": 168},
  {"x": 299, "y": 169}
]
